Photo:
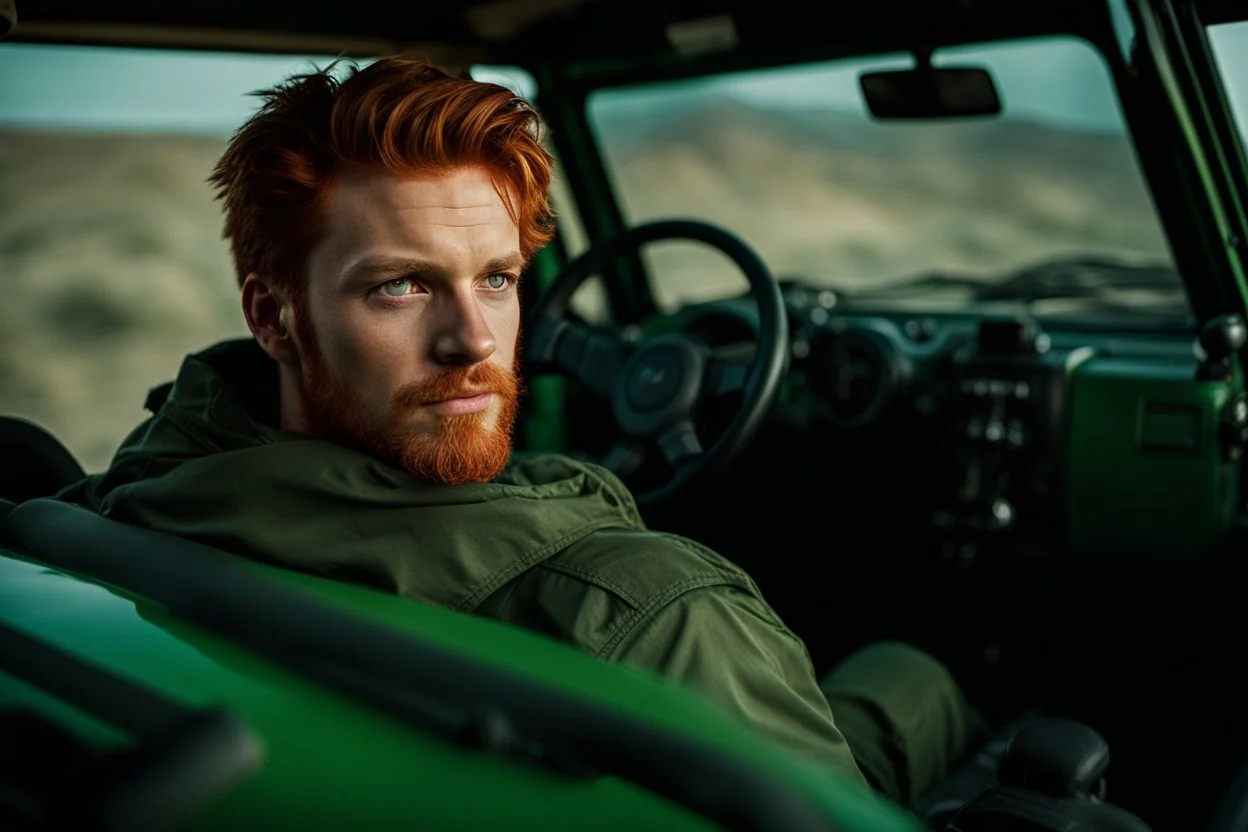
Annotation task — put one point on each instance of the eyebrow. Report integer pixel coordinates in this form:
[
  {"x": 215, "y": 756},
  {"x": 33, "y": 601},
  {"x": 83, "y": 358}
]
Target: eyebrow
[{"x": 405, "y": 267}]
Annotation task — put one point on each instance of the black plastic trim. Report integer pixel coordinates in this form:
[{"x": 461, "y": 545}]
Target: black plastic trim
[{"x": 1214, "y": 12}]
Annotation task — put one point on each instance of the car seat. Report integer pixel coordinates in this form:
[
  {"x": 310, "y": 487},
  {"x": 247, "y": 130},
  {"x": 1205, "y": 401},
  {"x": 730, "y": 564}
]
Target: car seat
[{"x": 33, "y": 463}]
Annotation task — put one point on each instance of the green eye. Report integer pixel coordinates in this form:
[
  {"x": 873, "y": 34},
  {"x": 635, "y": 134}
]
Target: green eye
[
  {"x": 496, "y": 281},
  {"x": 396, "y": 288}
]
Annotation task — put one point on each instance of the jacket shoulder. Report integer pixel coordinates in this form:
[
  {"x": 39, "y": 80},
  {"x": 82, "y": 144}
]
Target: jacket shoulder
[
  {"x": 646, "y": 569},
  {"x": 596, "y": 591}
]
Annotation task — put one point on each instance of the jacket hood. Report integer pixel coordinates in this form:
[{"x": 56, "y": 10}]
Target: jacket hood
[{"x": 210, "y": 466}]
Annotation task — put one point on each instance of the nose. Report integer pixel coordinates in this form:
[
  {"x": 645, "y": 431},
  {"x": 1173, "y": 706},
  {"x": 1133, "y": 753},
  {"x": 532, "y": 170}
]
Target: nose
[{"x": 463, "y": 335}]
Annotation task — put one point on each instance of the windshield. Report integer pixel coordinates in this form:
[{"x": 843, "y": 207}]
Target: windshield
[{"x": 1043, "y": 203}]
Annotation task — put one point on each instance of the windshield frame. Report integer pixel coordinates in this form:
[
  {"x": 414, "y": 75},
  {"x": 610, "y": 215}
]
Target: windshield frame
[{"x": 568, "y": 87}]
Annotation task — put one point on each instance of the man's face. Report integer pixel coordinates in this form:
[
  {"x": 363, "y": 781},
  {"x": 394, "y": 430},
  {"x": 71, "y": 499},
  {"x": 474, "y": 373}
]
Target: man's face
[{"x": 409, "y": 330}]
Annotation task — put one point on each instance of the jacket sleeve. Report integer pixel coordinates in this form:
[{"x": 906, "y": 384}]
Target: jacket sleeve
[{"x": 727, "y": 644}]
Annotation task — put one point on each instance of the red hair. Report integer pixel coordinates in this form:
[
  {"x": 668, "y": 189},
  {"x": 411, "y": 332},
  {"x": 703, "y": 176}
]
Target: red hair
[{"x": 398, "y": 115}]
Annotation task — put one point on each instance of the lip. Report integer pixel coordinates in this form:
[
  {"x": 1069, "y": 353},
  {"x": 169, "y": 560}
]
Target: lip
[{"x": 462, "y": 405}]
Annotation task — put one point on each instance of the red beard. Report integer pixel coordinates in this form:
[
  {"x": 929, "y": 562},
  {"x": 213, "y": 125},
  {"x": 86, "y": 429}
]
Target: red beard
[{"x": 465, "y": 449}]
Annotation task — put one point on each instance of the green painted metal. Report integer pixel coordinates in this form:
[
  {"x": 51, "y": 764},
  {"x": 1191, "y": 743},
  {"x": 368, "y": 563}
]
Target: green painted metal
[
  {"x": 545, "y": 428},
  {"x": 332, "y": 763},
  {"x": 1137, "y": 429},
  {"x": 1217, "y": 111},
  {"x": 1187, "y": 99}
]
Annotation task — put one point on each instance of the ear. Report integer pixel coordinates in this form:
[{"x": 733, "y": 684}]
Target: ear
[{"x": 268, "y": 316}]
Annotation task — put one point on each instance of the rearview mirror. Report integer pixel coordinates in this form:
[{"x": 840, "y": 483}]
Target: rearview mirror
[{"x": 930, "y": 92}]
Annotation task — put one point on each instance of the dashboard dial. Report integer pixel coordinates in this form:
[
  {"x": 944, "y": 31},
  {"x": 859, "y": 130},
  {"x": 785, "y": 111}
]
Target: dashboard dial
[{"x": 851, "y": 374}]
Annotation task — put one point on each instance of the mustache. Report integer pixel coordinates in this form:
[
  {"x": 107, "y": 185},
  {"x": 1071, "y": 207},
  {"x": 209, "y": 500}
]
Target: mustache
[{"x": 484, "y": 377}]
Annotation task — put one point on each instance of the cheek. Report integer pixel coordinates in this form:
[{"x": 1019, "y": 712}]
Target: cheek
[
  {"x": 366, "y": 354},
  {"x": 505, "y": 324}
]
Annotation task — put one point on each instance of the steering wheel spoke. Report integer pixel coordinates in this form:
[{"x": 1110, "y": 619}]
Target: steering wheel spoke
[
  {"x": 624, "y": 458},
  {"x": 591, "y": 357},
  {"x": 679, "y": 444},
  {"x": 725, "y": 378}
]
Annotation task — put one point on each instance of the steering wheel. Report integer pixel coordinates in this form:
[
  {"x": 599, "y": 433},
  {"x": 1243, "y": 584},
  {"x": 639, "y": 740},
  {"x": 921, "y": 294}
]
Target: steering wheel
[{"x": 656, "y": 385}]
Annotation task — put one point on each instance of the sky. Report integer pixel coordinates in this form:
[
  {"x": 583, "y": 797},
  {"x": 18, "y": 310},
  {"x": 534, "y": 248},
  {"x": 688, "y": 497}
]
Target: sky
[{"x": 1061, "y": 82}]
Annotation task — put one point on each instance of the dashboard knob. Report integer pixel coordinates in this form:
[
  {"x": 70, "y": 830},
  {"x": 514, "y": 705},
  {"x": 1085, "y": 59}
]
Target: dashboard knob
[
  {"x": 995, "y": 431},
  {"x": 1002, "y": 514},
  {"x": 1220, "y": 339},
  {"x": 1223, "y": 336}
]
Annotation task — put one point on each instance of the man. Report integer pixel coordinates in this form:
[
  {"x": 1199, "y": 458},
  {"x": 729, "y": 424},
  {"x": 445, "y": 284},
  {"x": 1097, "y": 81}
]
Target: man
[{"x": 379, "y": 226}]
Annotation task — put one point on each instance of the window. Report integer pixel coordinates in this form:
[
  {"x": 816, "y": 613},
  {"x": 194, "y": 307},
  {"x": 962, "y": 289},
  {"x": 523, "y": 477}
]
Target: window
[
  {"x": 1230, "y": 51},
  {"x": 932, "y": 214},
  {"x": 110, "y": 239}
]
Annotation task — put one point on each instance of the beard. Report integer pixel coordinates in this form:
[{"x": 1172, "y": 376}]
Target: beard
[{"x": 464, "y": 448}]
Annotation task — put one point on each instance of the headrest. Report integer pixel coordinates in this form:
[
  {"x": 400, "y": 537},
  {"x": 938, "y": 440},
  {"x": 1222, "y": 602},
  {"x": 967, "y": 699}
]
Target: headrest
[{"x": 36, "y": 464}]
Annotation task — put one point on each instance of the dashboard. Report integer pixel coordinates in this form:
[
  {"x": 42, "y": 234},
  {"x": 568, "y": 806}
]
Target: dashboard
[{"x": 1005, "y": 438}]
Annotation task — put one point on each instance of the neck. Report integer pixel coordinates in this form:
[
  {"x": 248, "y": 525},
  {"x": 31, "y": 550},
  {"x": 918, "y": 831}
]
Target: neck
[{"x": 291, "y": 404}]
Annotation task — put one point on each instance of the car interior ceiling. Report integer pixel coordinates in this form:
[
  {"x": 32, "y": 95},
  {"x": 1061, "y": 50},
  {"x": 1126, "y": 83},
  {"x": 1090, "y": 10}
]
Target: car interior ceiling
[{"x": 836, "y": 521}]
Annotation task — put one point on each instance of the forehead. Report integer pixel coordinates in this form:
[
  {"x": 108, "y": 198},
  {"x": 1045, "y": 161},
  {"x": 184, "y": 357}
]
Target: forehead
[{"x": 417, "y": 215}]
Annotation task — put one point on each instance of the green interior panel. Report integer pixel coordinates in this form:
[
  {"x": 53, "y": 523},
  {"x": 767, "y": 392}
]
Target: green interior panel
[
  {"x": 332, "y": 763},
  {"x": 544, "y": 428},
  {"x": 1148, "y": 476}
]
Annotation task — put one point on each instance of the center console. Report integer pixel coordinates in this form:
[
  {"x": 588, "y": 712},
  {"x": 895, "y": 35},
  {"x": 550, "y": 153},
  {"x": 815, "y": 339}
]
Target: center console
[{"x": 1006, "y": 443}]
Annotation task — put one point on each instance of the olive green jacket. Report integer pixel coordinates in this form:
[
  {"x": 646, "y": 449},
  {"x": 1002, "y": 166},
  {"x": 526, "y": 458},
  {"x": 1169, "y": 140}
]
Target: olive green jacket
[{"x": 552, "y": 545}]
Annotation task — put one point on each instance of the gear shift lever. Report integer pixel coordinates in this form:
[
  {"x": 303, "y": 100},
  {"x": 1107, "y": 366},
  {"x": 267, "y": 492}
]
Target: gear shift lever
[
  {"x": 1051, "y": 778},
  {"x": 1057, "y": 757}
]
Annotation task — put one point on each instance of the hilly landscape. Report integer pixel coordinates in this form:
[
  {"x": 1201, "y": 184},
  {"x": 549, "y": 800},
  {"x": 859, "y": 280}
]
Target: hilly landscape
[
  {"x": 838, "y": 200},
  {"x": 113, "y": 265}
]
